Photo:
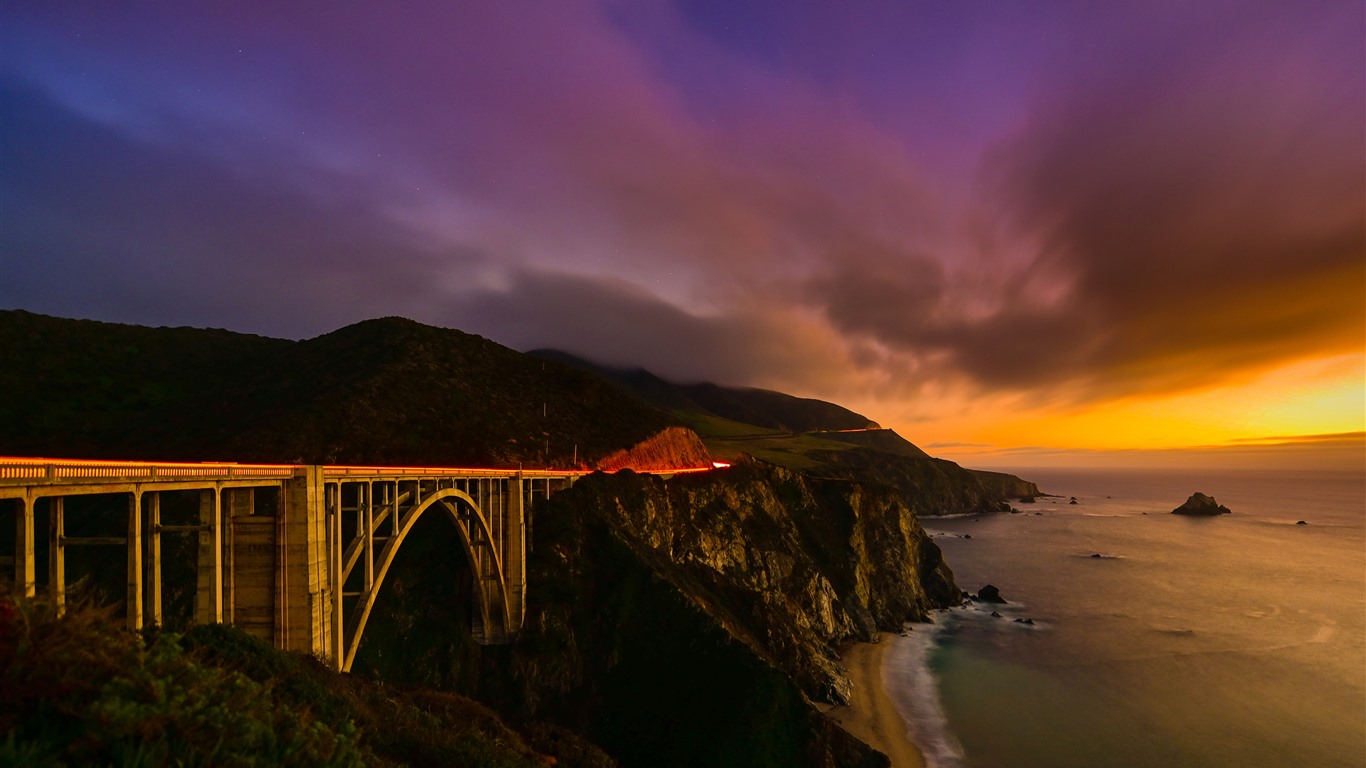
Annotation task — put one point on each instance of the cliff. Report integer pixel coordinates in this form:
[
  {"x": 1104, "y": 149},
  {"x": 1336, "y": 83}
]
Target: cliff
[
  {"x": 1005, "y": 486},
  {"x": 929, "y": 486},
  {"x": 684, "y": 622}
]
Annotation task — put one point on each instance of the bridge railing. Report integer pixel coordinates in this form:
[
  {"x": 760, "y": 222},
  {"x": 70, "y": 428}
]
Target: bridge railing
[
  {"x": 29, "y": 471},
  {"x": 336, "y": 471},
  {"x": 15, "y": 470}
]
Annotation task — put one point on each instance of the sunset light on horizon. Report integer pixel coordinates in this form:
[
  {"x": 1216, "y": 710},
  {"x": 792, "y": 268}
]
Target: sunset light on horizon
[{"x": 1018, "y": 234}]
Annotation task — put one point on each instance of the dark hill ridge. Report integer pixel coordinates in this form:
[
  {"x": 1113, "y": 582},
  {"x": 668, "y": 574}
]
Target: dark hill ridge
[
  {"x": 775, "y": 410},
  {"x": 387, "y": 391},
  {"x": 760, "y": 408}
]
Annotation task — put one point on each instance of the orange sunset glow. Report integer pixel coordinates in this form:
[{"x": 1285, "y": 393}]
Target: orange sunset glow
[{"x": 1313, "y": 412}]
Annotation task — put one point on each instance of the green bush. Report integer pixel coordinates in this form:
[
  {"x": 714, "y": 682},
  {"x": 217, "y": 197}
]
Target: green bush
[{"x": 80, "y": 691}]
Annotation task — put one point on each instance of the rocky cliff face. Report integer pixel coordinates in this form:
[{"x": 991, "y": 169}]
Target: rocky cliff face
[
  {"x": 928, "y": 486},
  {"x": 672, "y": 448},
  {"x": 691, "y": 622},
  {"x": 1006, "y": 486}
]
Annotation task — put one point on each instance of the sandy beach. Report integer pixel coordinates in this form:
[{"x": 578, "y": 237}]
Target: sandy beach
[{"x": 870, "y": 715}]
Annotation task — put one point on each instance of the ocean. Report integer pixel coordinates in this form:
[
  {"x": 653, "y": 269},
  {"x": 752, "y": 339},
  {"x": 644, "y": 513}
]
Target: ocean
[{"x": 1233, "y": 641}]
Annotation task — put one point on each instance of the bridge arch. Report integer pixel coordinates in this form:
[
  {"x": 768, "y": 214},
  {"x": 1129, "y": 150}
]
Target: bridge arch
[{"x": 492, "y": 621}]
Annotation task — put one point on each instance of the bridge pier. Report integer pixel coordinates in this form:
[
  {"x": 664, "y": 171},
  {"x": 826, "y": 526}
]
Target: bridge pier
[
  {"x": 134, "y": 548},
  {"x": 154, "y": 558},
  {"x": 208, "y": 596},
  {"x": 514, "y": 548},
  {"x": 306, "y": 570},
  {"x": 56, "y": 558},
  {"x": 25, "y": 575}
]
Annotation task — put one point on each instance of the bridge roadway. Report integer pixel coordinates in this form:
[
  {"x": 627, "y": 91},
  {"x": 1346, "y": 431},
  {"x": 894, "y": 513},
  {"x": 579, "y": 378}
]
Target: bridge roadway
[{"x": 293, "y": 554}]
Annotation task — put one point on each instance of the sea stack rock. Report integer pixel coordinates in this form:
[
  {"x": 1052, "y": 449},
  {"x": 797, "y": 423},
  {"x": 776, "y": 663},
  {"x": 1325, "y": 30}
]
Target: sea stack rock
[
  {"x": 1200, "y": 504},
  {"x": 990, "y": 594}
]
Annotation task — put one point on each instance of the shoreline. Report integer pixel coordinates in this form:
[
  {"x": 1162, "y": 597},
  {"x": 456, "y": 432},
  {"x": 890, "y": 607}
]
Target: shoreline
[{"x": 871, "y": 716}]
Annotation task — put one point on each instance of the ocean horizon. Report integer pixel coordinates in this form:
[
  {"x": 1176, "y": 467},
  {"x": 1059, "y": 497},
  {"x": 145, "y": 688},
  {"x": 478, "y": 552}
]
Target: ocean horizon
[{"x": 1156, "y": 639}]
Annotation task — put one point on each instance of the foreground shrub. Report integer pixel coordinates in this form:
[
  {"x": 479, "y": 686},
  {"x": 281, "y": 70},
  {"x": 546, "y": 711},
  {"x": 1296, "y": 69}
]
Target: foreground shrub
[{"x": 81, "y": 691}]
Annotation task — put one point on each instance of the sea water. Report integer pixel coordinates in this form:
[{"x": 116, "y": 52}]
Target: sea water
[{"x": 1237, "y": 640}]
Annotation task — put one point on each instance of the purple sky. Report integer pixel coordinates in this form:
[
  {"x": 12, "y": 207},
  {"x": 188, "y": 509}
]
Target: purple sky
[{"x": 1066, "y": 201}]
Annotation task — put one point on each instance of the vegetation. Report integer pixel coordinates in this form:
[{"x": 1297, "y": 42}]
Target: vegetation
[{"x": 80, "y": 691}]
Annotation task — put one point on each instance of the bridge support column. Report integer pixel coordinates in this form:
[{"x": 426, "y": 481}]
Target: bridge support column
[
  {"x": 241, "y": 503},
  {"x": 305, "y": 570},
  {"x": 335, "y": 604},
  {"x": 208, "y": 599},
  {"x": 154, "y": 559},
  {"x": 368, "y": 531},
  {"x": 135, "y": 561},
  {"x": 25, "y": 577},
  {"x": 56, "y": 559},
  {"x": 514, "y": 550}
]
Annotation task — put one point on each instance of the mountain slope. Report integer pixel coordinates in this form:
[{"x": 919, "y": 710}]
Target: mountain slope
[
  {"x": 388, "y": 391},
  {"x": 814, "y": 437},
  {"x": 761, "y": 409}
]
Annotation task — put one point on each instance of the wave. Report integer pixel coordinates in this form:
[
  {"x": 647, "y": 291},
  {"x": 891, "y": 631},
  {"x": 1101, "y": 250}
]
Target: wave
[{"x": 914, "y": 691}]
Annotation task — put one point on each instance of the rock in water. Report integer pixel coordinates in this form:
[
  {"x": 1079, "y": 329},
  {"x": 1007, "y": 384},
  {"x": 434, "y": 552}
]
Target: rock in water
[
  {"x": 1200, "y": 504},
  {"x": 990, "y": 594}
]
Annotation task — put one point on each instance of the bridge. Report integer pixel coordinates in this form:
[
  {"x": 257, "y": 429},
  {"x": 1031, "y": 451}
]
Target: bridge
[{"x": 293, "y": 554}]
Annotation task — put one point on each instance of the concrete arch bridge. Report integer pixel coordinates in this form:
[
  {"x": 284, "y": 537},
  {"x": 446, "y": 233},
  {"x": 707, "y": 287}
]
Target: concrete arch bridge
[{"x": 293, "y": 554}]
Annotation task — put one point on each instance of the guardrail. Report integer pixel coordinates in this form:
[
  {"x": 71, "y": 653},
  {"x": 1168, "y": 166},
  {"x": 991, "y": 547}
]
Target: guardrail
[
  {"x": 22, "y": 470},
  {"x": 16, "y": 469}
]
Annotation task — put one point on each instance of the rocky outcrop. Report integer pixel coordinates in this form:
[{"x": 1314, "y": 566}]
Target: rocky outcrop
[
  {"x": 990, "y": 594},
  {"x": 928, "y": 486},
  {"x": 1006, "y": 486},
  {"x": 692, "y": 621},
  {"x": 672, "y": 448},
  {"x": 1202, "y": 505}
]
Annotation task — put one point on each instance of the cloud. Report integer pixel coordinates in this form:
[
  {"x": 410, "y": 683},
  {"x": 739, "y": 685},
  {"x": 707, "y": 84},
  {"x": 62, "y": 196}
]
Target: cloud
[
  {"x": 618, "y": 323},
  {"x": 98, "y": 225},
  {"x": 1165, "y": 220},
  {"x": 1206, "y": 204},
  {"x": 1180, "y": 200}
]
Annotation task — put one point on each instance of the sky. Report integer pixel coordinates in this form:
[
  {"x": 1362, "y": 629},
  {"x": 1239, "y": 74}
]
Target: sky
[{"x": 1018, "y": 233}]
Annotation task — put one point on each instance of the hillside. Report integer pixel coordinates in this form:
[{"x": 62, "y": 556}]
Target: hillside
[
  {"x": 814, "y": 437},
  {"x": 702, "y": 405},
  {"x": 386, "y": 391}
]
